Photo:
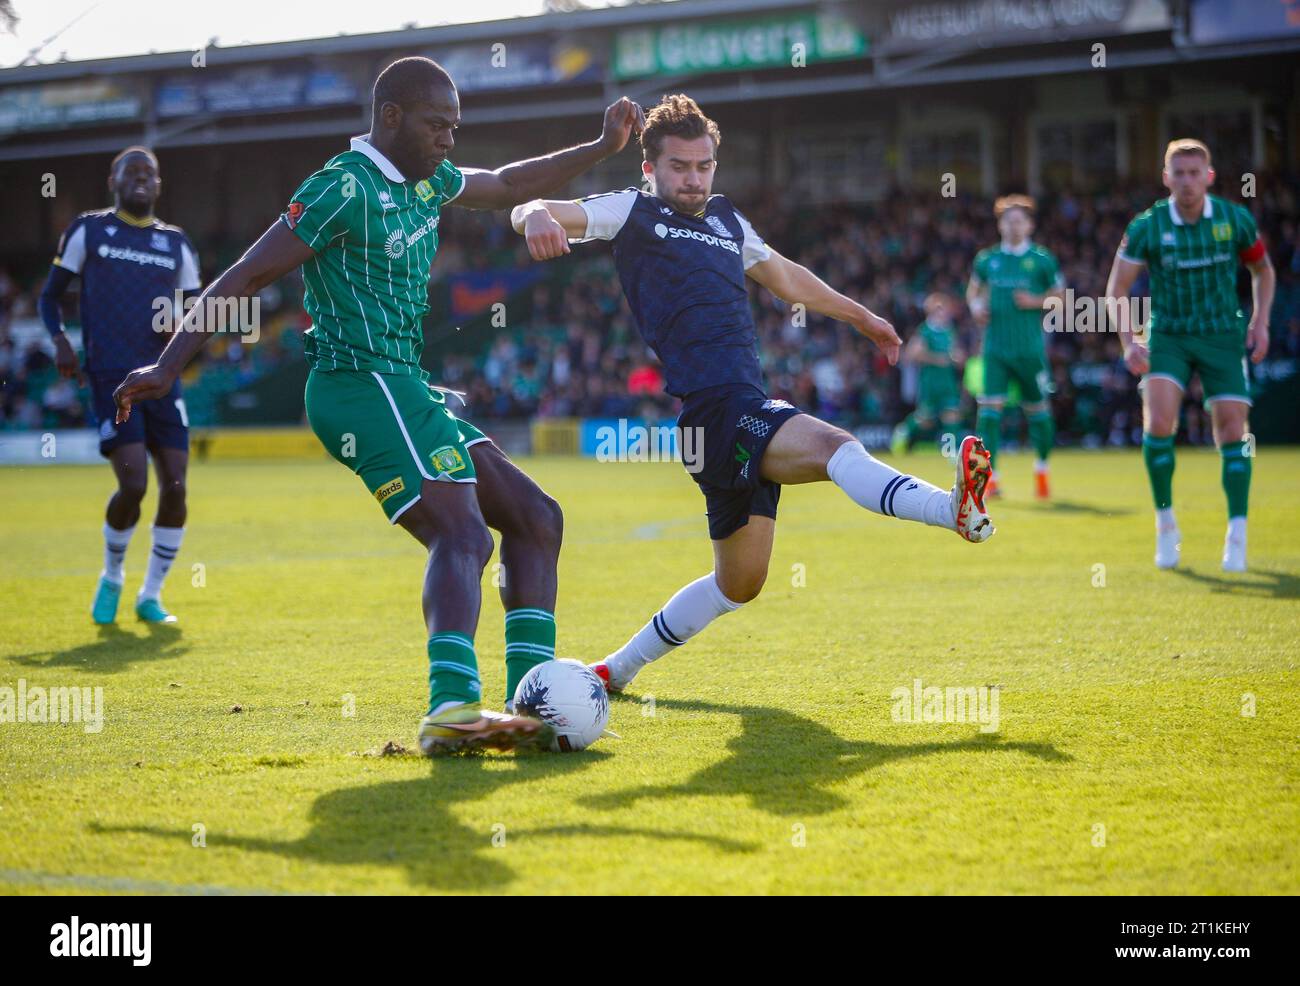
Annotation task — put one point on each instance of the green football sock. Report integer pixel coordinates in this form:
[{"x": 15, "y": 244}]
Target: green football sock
[
  {"x": 1236, "y": 477},
  {"x": 530, "y": 640},
  {"x": 1042, "y": 431},
  {"x": 988, "y": 424},
  {"x": 453, "y": 669},
  {"x": 1158, "y": 454}
]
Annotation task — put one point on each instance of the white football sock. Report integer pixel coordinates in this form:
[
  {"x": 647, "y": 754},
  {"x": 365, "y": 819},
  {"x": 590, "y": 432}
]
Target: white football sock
[
  {"x": 693, "y": 608},
  {"x": 166, "y": 543},
  {"x": 1237, "y": 528},
  {"x": 882, "y": 489},
  {"x": 115, "y": 543},
  {"x": 1165, "y": 519}
]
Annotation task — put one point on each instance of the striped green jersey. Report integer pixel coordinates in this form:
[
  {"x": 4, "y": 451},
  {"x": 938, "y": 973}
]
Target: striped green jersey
[
  {"x": 1012, "y": 331},
  {"x": 374, "y": 235},
  {"x": 937, "y": 341},
  {"x": 1192, "y": 267}
]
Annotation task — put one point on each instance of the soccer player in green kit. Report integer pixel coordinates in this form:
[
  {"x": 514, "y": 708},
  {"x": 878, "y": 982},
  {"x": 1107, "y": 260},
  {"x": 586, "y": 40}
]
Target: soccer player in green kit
[
  {"x": 1190, "y": 244},
  {"x": 364, "y": 230},
  {"x": 1009, "y": 286},
  {"x": 937, "y": 354}
]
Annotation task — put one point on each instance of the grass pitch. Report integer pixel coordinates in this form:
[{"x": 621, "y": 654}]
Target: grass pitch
[{"x": 762, "y": 757}]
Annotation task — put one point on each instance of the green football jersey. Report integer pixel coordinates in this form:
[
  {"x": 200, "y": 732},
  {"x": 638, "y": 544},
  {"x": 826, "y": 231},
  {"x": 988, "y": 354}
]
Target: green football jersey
[
  {"x": 1192, "y": 267},
  {"x": 937, "y": 341},
  {"x": 1014, "y": 332},
  {"x": 374, "y": 235}
]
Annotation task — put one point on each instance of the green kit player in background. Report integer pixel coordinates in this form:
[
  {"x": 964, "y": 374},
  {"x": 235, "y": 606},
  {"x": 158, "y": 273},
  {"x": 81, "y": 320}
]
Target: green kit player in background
[
  {"x": 1190, "y": 244},
  {"x": 1009, "y": 286},
  {"x": 364, "y": 230},
  {"x": 937, "y": 355}
]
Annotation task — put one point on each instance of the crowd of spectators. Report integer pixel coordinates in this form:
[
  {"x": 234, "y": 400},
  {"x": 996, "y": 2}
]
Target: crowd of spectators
[{"x": 570, "y": 348}]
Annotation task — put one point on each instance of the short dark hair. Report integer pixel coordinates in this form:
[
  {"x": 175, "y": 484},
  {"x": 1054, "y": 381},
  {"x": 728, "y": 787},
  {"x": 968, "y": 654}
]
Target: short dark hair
[
  {"x": 409, "y": 80},
  {"x": 676, "y": 116},
  {"x": 127, "y": 152}
]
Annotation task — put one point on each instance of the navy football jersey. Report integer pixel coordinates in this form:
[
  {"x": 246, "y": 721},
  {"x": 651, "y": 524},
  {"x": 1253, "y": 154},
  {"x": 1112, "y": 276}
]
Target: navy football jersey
[
  {"x": 125, "y": 266},
  {"x": 684, "y": 278}
]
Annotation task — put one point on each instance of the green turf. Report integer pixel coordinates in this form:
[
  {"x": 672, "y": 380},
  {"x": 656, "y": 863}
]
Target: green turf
[{"x": 768, "y": 760}]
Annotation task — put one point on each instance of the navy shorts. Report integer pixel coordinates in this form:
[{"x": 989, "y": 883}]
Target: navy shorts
[
  {"x": 735, "y": 423},
  {"x": 158, "y": 424}
]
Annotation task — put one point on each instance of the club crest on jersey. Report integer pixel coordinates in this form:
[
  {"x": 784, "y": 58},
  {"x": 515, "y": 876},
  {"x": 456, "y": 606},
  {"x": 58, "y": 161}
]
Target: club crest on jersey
[
  {"x": 425, "y": 191},
  {"x": 447, "y": 459},
  {"x": 294, "y": 213},
  {"x": 159, "y": 242},
  {"x": 394, "y": 246},
  {"x": 389, "y": 488},
  {"x": 1221, "y": 232},
  {"x": 717, "y": 225}
]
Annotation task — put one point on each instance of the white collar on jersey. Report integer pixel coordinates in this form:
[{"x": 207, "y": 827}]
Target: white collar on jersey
[
  {"x": 1177, "y": 220},
  {"x": 1017, "y": 251},
  {"x": 363, "y": 146}
]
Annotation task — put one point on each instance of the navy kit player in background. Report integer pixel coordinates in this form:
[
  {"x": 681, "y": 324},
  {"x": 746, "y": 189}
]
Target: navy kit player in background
[
  {"x": 131, "y": 265},
  {"x": 682, "y": 257}
]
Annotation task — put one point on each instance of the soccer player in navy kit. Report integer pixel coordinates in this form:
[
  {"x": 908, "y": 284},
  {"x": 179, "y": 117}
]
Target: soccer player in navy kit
[
  {"x": 682, "y": 257},
  {"x": 131, "y": 265}
]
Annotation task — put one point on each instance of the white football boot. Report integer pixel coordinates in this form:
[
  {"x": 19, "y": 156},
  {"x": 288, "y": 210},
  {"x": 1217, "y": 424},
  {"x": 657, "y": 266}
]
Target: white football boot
[
  {"x": 1234, "y": 546},
  {"x": 1169, "y": 542}
]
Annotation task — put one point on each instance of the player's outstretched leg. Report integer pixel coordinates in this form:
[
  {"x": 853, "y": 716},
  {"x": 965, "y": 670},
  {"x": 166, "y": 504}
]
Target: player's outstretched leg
[
  {"x": 988, "y": 424},
  {"x": 446, "y": 520},
  {"x": 131, "y": 469},
  {"x": 739, "y": 571},
  {"x": 1042, "y": 432},
  {"x": 807, "y": 450},
  {"x": 1231, "y": 435},
  {"x": 168, "y": 532},
  {"x": 1161, "y": 398},
  {"x": 531, "y": 525}
]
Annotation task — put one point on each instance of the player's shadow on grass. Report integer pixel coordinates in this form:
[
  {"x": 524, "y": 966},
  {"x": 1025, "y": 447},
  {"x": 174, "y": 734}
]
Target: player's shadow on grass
[
  {"x": 785, "y": 764},
  {"x": 1256, "y": 584},
  {"x": 112, "y": 651},
  {"x": 413, "y": 825},
  {"x": 1062, "y": 507}
]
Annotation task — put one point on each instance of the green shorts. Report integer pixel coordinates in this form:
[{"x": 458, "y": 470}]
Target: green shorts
[
  {"x": 393, "y": 431},
  {"x": 1220, "y": 359},
  {"x": 934, "y": 397},
  {"x": 1029, "y": 373}
]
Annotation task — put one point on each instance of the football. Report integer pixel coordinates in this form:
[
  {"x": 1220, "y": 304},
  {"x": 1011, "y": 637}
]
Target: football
[{"x": 568, "y": 696}]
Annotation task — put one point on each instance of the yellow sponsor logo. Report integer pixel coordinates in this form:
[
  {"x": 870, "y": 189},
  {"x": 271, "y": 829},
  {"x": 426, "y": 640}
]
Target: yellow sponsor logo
[
  {"x": 389, "y": 488},
  {"x": 447, "y": 459},
  {"x": 1222, "y": 232}
]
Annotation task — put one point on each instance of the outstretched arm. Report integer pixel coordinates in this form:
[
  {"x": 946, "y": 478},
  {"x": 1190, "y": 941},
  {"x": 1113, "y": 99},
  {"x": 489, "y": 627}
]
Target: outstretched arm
[
  {"x": 277, "y": 252},
  {"x": 1262, "y": 280},
  {"x": 523, "y": 180},
  {"x": 796, "y": 284},
  {"x": 548, "y": 226},
  {"x": 1118, "y": 288}
]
